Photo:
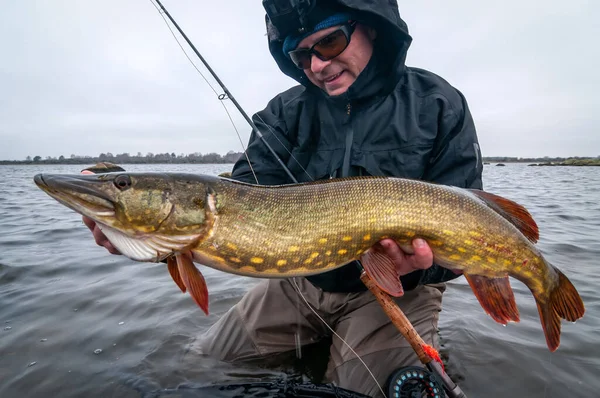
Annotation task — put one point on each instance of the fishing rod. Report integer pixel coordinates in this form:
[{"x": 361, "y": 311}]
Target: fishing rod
[
  {"x": 227, "y": 94},
  {"x": 426, "y": 354}
]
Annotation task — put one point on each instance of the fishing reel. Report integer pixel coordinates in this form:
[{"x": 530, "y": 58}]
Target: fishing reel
[{"x": 414, "y": 382}]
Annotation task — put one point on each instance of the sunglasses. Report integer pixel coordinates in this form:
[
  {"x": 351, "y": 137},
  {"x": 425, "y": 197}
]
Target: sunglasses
[{"x": 325, "y": 49}]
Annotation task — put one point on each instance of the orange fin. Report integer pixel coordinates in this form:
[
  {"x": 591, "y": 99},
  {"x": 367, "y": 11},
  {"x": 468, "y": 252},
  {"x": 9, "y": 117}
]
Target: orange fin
[
  {"x": 172, "y": 266},
  {"x": 512, "y": 211},
  {"x": 495, "y": 296},
  {"x": 193, "y": 280},
  {"x": 381, "y": 269},
  {"x": 564, "y": 302}
]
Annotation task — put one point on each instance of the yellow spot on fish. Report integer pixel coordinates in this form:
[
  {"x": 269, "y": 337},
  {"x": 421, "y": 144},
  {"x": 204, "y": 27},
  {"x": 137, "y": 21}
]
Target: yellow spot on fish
[
  {"x": 462, "y": 249},
  {"x": 372, "y": 220},
  {"x": 475, "y": 234},
  {"x": 367, "y": 237},
  {"x": 468, "y": 242},
  {"x": 231, "y": 246},
  {"x": 319, "y": 264},
  {"x": 455, "y": 257},
  {"x": 341, "y": 252},
  {"x": 235, "y": 259},
  {"x": 448, "y": 232},
  {"x": 328, "y": 253},
  {"x": 436, "y": 242},
  {"x": 308, "y": 260},
  {"x": 507, "y": 262},
  {"x": 331, "y": 265},
  {"x": 314, "y": 255},
  {"x": 491, "y": 260},
  {"x": 271, "y": 271},
  {"x": 257, "y": 260},
  {"x": 281, "y": 263},
  {"x": 248, "y": 268},
  {"x": 293, "y": 249},
  {"x": 359, "y": 252},
  {"x": 323, "y": 241},
  {"x": 476, "y": 258},
  {"x": 410, "y": 234},
  {"x": 347, "y": 238}
]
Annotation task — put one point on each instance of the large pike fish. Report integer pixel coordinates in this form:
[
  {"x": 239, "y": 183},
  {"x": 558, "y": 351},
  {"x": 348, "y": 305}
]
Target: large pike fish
[{"x": 310, "y": 228}]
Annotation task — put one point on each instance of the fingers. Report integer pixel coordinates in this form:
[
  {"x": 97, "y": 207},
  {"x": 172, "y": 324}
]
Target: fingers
[
  {"x": 102, "y": 240},
  {"x": 99, "y": 237},
  {"x": 417, "y": 257},
  {"x": 392, "y": 250},
  {"x": 423, "y": 257}
]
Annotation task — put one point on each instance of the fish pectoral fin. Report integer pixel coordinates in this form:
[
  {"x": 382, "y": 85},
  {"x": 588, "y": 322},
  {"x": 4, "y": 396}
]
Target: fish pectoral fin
[
  {"x": 174, "y": 271},
  {"x": 562, "y": 302},
  {"x": 193, "y": 280},
  {"x": 382, "y": 270},
  {"x": 495, "y": 296},
  {"x": 512, "y": 211}
]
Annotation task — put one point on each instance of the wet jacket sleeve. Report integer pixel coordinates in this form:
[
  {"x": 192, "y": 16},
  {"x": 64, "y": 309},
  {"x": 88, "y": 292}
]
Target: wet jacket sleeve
[
  {"x": 455, "y": 160},
  {"x": 259, "y": 163}
]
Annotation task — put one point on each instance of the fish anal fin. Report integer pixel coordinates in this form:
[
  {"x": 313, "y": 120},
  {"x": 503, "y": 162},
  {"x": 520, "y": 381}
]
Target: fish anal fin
[
  {"x": 193, "y": 280},
  {"x": 495, "y": 296},
  {"x": 174, "y": 271},
  {"x": 382, "y": 270},
  {"x": 512, "y": 211}
]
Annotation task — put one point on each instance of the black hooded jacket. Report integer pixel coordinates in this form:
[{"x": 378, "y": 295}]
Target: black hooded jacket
[{"x": 393, "y": 121}]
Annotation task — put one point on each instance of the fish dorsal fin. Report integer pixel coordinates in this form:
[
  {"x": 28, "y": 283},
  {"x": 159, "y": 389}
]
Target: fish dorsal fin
[{"x": 512, "y": 211}]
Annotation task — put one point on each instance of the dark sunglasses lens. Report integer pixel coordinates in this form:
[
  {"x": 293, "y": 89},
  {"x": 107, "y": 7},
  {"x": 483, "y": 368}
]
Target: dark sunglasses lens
[
  {"x": 331, "y": 46},
  {"x": 301, "y": 58},
  {"x": 327, "y": 48}
]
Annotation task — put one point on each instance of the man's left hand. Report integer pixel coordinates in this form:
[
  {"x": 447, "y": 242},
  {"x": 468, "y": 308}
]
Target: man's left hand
[{"x": 407, "y": 260}]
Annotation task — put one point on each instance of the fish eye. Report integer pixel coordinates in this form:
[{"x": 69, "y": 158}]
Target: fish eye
[{"x": 122, "y": 182}]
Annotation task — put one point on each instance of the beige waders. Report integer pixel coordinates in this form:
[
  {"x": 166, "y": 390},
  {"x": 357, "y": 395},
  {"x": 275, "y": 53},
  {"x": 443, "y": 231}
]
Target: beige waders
[{"x": 267, "y": 319}]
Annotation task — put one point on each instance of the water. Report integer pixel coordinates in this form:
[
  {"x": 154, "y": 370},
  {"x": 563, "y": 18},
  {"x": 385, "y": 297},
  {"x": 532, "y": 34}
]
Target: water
[{"x": 76, "y": 321}]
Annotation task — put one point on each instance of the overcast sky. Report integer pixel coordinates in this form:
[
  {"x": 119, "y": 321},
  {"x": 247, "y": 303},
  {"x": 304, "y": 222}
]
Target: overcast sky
[{"x": 85, "y": 77}]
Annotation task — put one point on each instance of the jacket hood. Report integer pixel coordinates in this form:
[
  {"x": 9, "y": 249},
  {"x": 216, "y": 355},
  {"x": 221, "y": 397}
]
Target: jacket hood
[{"x": 390, "y": 48}]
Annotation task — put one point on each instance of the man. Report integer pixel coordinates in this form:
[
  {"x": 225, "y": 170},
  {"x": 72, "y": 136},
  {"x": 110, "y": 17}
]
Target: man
[{"x": 359, "y": 110}]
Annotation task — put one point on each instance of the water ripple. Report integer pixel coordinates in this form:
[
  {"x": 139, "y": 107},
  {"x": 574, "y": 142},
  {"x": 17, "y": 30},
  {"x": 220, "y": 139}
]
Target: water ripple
[{"x": 62, "y": 297}]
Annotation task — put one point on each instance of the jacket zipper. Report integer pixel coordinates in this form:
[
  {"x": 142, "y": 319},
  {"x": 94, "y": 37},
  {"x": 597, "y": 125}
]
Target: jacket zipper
[{"x": 349, "y": 139}]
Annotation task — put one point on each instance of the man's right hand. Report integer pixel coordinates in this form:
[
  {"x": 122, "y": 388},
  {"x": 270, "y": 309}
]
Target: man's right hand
[{"x": 99, "y": 237}]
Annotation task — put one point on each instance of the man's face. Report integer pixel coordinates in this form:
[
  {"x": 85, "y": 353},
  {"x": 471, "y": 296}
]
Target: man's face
[{"x": 337, "y": 75}]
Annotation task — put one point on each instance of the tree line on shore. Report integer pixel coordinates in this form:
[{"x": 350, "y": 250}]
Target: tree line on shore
[
  {"x": 215, "y": 158},
  {"x": 139, "y": 158}
]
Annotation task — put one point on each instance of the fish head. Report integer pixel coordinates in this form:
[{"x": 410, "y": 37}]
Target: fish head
[{"x": 146, "y": 216}]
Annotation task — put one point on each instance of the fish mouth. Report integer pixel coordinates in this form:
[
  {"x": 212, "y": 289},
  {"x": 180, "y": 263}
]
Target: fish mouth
[{"x": 85, "y": 194}]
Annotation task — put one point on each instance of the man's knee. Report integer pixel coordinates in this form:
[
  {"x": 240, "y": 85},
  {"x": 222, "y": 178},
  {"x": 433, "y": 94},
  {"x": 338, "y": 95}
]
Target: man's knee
[{"x": 227, "y": 340}]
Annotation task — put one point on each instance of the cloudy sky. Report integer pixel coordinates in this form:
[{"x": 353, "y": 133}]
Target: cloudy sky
[{"x": 85, "y": 77}]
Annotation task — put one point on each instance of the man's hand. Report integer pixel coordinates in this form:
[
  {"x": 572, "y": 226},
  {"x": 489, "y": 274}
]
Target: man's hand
[
  {"x": 417, "y": 257},
  {"x": 99, "y": 237}
]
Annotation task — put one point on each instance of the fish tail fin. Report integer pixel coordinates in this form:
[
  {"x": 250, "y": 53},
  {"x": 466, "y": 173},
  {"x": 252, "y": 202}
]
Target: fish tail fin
[{"x": 563, "y": 301}]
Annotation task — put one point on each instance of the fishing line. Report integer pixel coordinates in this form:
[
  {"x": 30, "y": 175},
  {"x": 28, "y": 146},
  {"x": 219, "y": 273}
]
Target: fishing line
[
  {"x": 221, "y": 98},
  {"x": 337, "y": 335}
]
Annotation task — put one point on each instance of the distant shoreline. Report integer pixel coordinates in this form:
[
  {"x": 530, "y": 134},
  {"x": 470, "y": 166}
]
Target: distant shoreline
[{"x": 232, "y": 158}]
